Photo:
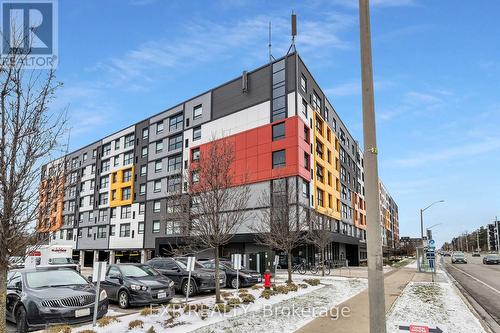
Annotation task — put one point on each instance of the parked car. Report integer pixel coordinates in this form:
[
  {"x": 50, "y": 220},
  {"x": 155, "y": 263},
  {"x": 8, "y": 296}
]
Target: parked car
[
  {"x": 202, "y": 279},
  {"x": 246, "y": 277},
  {"x": 137, "y": 284},
  {"x": 40, "y": 296},
  {"x": 476, "y": 254},
  {"x": 491, "y": 259},
  {"x": 458, "y": 257}
]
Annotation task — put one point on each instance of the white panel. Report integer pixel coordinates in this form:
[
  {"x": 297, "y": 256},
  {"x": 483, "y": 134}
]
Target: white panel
[{"x": 117, "y": 242}]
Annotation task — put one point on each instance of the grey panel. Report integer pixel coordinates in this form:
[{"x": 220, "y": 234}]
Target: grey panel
[{"x": 205, "y": 102}]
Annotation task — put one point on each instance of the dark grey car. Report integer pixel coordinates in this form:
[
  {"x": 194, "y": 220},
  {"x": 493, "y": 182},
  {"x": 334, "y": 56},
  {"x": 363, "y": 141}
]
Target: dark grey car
[
  {"x": 38, "y": 297},
  {"x": 136, "y": 284}
]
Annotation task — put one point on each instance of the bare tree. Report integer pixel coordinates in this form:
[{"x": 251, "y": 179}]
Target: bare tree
[
  {"x": 29, "y": 133},
  {"x": 218, "y": 198},
  {"x": 319, "y": 234},
  {"x": 283, "y": 225}
]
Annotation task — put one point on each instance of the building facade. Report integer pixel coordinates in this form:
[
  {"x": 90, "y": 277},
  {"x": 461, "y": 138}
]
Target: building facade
[{"x": 117, "y": 205}]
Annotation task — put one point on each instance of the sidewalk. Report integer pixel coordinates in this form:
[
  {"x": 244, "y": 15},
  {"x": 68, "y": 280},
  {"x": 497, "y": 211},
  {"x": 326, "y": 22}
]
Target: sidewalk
[{"x": 358, "y": 321}]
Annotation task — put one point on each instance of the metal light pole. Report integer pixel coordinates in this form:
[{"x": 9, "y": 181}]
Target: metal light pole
[
  {"x": 374, "y": 237},
  {"x": 422, "y": 218}
]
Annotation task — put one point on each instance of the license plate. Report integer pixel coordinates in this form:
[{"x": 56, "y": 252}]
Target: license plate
[
  {"x": 82, "y": 312},
  {"x": 259, "y": 279},
  {"x": 221, "y": 280},
  {"x": 162, "y": 295}
]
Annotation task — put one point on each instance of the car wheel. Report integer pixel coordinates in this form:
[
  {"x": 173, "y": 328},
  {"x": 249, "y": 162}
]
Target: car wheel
[
  {"x": 185, "y": 288},
  {"x": 234, "y": 283},
  {"x": 123, "y": 299},
  {"x": 22, "y": 324}
]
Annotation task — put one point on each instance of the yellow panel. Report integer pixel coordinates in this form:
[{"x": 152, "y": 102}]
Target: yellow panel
[{"x": 117, "y": 186}]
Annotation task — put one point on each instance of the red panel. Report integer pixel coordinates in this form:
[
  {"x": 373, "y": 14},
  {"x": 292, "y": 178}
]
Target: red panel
[{"x": 253, "y": 152}]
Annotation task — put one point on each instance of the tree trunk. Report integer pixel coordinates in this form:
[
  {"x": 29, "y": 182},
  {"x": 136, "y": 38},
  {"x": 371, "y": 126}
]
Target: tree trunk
[
  {"x": 217, "y": 274},
  {"x": 289, "y": 254},
  {"x": 322, "y": 262},
  {"x": 3, "y": 297}
]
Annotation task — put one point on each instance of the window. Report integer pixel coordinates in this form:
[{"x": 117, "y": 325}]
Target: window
[
  {"x": 117, "y": 144},
  {"x": 102, "y": 215},
  {"x": 316, "y": 101},
  {"x": 103, "y": 199},
  {"x": 106, "y": 149},
  {"x": 101, "y": 232},
  {"x": 319, "y": 172},
  {"x": 112, "y": 229},
  {"x": 334, "y": 124},
  {"x": 84, "y": 157},
  {"x": 89, "y": 232},
  {"x": 157, "y": 186},
  {"x": 144, "y": 170},
  {"x": 112, "y": 212},
  {"x": 158, "y": 166},
  {"x": 116, "y": 161},
  {"x": 127, "y": 175},
  {"x": 142, "y": 189},
  {"x": 94, "y": 153},
  {"x": 159, "y": 146},
  {"x": 195, "y": 154},
  {"x": 175, "y": 163},
  {"x": 128, "y": 158},
  {"x": 105, "y": 166},
  {"x": 304, "y": 107},
  {"x": 319, "y": 125},
  {"x": 319, "y": 149},
  {"x": 196, "y": 133},
  {"x": 145, "y": 133},
  {"x": 125, "y": 230},
  {"x": 156, "y": 227},
  {"x": 319, "y": 196},
  {"x": 140, "y": 228},
  {"x": 175, "y": 122},
  {"x": 104, "y": 183},
  {"x": 305, "y": 189},
  {"x": 306, "y": 161},
  {"x": 306, "y": 134},
  {"x": 326, "y": 113},
  {"x": 197, "y": 112},
  {"x": 129, "y": 141},
  {"x": 144, "y": 151},
  {"x": 174, "y": 184},
  {"x": 195, "y": 177},
  {"x": 126, "y": 212},
  {"x": 303, "y": 83},
  {"x": 278, "y": 131},
  {"x": 126, "y": 193},
  {"x": 175, "y": 142},
  {"x": 156, "y": 206},
  {"x": 279, "y": 159},
  {"x": 142, "y": 208},
  {"x": 92, "y": 169},
  {"x": 159, "y": 127}
]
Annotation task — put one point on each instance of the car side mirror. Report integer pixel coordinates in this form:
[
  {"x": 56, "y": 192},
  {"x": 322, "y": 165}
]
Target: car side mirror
[
  {"x": 18, "y": 285},
  {"x": 89, "y": 278}
]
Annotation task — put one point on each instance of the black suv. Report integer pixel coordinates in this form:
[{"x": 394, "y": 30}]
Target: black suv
[
  {"x": 246, "y": 277},
  {"x": 202, "y": 279}
]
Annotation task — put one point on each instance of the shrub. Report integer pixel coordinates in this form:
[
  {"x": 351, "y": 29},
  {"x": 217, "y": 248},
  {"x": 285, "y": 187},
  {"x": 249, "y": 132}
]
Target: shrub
[
  {"x": 60, "y": 329},
  {"x": 222, "y": 308},
  {"x": 148, "y": 311},
  {"x": 292, "y": 287},
  {"x": 174, "y": 314},
  {"x": 106, "y": 320},
  {"x": 234, "y": 302},
  {"x": 87, "y": 331},
  {"x": 267, "y": 293},
  {"x": 151, "y": 330},
  {"x": 243, "y": 291},
  {"x": 247, "y": 298},
  {"x": 257, "y": 287},
  {"x": 135, "y": 324},
  {"x": 281, "y": 289},
  {"x": 226, "y": 294},
  {"x": 312, "y": 282},
  {"x": 175, "y": 306}
]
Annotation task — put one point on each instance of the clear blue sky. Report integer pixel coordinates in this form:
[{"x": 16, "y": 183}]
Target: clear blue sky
[{"x": 436, "y": 68}]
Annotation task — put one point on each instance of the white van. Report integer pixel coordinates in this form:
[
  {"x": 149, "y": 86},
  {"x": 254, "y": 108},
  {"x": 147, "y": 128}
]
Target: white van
[{"x": 43, "y": 255}]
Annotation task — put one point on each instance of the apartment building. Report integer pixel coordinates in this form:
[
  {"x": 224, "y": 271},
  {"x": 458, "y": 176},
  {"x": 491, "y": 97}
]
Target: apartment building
[
  {"x": 389, "y": 218},
  {"x": 117, "y": 201}
]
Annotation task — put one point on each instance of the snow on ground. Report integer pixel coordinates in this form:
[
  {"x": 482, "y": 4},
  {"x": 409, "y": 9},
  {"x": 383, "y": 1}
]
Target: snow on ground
[
  {"x": 433, "y": 304},
  {"x": 412, "y": 265},
  {"x": 261, "y": 314}
]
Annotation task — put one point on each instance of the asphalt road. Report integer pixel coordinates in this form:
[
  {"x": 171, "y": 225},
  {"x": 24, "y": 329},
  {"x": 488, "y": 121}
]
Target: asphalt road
[{"x": 482, "y": 285}]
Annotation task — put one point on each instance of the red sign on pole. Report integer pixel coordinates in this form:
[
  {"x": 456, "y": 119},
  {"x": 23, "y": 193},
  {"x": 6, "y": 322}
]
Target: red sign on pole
[{"x": 419, "y": 329}]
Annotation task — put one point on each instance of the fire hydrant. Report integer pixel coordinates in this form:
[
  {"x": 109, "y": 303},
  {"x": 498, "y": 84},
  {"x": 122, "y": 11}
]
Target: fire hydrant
[{"x": 267, "y": 279}]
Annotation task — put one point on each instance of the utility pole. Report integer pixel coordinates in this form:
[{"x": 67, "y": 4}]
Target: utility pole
[
  {"x": 466, "y": 242},
  {"x": 477, "y": 239},
  {"x": 374, "y": 237}
]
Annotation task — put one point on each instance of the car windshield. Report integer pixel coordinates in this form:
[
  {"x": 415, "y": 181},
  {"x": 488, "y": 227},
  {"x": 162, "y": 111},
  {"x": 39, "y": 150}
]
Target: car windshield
[
  {"x": 459, "y": 255},
  {"x": 137, "y": 271},
  {"x": 494, "y": 256},
  {"x": 54, "y": 278},
  {"x": 62, "y": 261},
  {"x": 183, "y": 264}
]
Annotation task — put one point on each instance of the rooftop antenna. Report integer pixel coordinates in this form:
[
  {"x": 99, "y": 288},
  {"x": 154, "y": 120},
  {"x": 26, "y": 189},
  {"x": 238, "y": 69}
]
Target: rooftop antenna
[
  {"x": 271, "y": 58},
  {"x": 294, "y": 32}
]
